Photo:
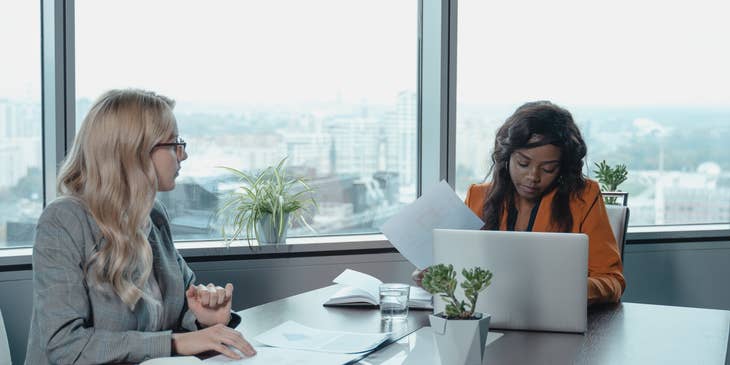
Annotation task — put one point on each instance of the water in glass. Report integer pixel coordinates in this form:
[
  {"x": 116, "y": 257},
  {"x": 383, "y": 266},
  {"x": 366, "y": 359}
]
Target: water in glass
[{"x": 394, "y": 301}]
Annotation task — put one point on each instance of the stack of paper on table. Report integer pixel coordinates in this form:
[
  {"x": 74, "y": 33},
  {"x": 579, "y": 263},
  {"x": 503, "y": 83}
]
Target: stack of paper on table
[
  {"x": 411, "y": 230},
  {"x": 279, "y": 356},
  {"x": 361, "y": 289},
  {"x": 291, "y": 343},
  {"x": 173, "y": 360},
  {"x": 292, "y": 335}
]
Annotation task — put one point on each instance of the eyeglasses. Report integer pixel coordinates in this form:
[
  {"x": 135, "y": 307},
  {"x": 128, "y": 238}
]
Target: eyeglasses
[{"x": 179, "y": 142}]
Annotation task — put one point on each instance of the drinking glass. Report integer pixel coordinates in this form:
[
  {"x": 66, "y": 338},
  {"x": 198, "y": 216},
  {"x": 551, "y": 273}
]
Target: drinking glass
[{"x": 394, "y": 301}]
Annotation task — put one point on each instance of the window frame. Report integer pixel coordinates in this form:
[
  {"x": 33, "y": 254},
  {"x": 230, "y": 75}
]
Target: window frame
[
  {"x": 57, "y": 88},
  {"x": 436, "y": 125}
]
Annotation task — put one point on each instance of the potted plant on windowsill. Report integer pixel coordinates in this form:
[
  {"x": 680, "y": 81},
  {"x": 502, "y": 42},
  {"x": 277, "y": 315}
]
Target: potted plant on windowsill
[
  {"x": 610, "y": 178},
  {"x": 460, "y": 332},
  {"x": 265, "y": 204}
]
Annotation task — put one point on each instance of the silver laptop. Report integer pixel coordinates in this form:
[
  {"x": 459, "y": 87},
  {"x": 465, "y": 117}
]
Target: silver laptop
[{"x": 540, "y": 279}]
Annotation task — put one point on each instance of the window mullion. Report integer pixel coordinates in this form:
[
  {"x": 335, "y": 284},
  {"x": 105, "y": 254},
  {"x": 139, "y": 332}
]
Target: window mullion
[
  {"x": 57, "y": 90},
  {"x": 437, "y": 99}
]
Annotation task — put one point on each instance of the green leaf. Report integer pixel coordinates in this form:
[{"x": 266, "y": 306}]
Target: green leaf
[
  {"x": 441, "y": 280},
  {"x": 610, "y": 177},
  {"x": 268, "y": 191}
]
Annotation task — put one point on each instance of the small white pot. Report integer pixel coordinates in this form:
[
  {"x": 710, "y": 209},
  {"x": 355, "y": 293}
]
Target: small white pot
[
  {"x": 267, "y": 229},
  {"x": 460, "y": 341}
]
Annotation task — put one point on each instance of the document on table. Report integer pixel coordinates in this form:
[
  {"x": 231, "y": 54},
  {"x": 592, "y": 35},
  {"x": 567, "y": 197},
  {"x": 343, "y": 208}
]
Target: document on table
[
  {"x": 418, "y": 348},
  {"x": 411, "y": 230},
  {"x": 293, "y": 335},
  {"x": 173, "y": 360},
  {"x": 280, "y": 356}
]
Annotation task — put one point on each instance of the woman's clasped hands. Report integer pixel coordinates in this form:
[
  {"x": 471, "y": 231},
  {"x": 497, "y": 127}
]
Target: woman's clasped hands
[{"x": 211, "y": 306}]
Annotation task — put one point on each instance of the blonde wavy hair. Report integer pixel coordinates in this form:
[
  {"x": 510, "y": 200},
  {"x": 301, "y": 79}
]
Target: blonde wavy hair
[{"x": 110, "y": 170}]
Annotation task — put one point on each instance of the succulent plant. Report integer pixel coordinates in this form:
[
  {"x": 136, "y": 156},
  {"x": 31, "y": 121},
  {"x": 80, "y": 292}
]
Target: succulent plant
[{"x": 441, "y": 280}]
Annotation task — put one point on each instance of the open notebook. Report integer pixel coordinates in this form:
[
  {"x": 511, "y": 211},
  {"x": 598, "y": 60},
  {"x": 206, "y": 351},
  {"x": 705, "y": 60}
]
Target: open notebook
[{"x": 360, "y": 289}]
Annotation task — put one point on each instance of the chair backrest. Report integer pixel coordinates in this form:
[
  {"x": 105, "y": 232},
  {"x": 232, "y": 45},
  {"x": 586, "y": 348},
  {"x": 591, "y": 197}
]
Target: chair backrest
[
  {"x": 4, "y": 347},
  {"x": 618, "y": 217}
]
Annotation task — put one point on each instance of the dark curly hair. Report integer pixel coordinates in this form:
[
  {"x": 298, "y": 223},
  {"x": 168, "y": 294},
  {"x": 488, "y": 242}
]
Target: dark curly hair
[{"x": 553, "y": 125}]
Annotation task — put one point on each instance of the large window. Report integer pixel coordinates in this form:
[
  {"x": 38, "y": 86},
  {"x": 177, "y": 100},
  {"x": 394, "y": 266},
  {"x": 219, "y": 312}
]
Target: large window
[
  {"x": 21, "y": 180},
  {"x": 645, "y": 80},
  {"x": 330, "y": 84}
]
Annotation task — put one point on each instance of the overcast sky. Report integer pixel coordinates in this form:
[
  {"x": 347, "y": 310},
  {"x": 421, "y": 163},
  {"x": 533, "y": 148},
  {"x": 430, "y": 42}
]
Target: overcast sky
[
  {"x": 618, "y": 52},
  {"x": 623, "y": 52}
]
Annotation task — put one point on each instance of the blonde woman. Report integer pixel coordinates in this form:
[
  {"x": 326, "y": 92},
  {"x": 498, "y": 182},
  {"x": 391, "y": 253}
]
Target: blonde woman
[{"x": 108, "y": 284}]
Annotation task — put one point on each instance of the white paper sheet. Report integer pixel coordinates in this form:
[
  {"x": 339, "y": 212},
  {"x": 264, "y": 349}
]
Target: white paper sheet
[
  {"x": 418, "y": 294},
  {"x": 173, "y": 360},
  {"x": 280, "y": 356},
  {"x": 418, "y": 348},
  {"x": 293, "y": 335},
  {"x": 411, "y": 230},
  {"x": 360, "y": 280}
]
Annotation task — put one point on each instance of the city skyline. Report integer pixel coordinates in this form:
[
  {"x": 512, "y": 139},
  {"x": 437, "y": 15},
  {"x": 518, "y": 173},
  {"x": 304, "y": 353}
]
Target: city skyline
[{"x": 350, "y": 150}]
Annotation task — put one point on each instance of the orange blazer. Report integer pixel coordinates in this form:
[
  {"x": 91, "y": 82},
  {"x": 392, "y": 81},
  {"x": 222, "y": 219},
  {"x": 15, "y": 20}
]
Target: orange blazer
[{"x": 605, "y": 271}]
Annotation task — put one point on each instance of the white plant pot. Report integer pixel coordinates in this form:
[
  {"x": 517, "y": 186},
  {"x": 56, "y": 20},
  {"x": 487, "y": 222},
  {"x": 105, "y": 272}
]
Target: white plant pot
[
  {"x": 460, "y": 341},
  {"x": 267, "y": 230}
]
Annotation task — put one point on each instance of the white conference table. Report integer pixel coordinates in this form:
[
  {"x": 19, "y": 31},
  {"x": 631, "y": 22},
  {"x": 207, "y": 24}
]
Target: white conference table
[{"x": 624, "y": 333}]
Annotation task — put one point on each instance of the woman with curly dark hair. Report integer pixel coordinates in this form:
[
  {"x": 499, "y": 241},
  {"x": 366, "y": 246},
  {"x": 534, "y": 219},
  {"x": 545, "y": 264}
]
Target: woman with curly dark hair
[{"x": 537, "y": 184}]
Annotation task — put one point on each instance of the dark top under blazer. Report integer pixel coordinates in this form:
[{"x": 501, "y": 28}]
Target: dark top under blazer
[{"x": 606, "y": 281}]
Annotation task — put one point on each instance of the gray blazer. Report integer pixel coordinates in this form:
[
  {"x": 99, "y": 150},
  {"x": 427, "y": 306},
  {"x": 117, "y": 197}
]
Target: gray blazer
[{"x": 74, "y": 323}]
